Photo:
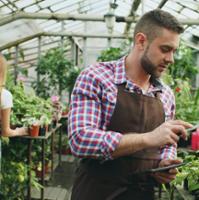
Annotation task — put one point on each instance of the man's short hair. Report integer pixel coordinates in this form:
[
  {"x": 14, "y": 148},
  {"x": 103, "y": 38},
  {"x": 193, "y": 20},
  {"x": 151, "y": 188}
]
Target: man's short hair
[{"x": 151, "y": 23}]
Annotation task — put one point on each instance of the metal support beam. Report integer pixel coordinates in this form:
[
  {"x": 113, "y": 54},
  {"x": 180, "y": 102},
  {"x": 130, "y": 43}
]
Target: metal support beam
[
  {"x": 162, "y": 3},
  {"x": 85, "y": 52},
  {"x": 134, "y": 7},
  {"x": 73, "y": 51},
  {"x": 16, "y": 64},
  {"x": 64, "y": 34},
  {"x": 82, "y": 17},
  {"x": 62, "y": 37},
  {"x": 76, "y": 55},
  {"x": 59, "y": 16},
  {"x": 38, "y": 58},
  {"x": 85, "y": 45}
]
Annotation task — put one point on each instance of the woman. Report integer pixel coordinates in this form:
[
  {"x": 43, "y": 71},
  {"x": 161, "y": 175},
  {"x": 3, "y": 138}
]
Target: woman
[{"x": 5, "y": 107}]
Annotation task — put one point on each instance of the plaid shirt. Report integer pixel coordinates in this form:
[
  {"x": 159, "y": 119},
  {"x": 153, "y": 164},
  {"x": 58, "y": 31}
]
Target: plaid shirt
[{"x": 92, "y": 104}]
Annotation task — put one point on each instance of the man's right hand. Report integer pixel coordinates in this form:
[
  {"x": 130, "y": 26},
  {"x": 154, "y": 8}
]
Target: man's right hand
[{"x": 167, "y": 133}]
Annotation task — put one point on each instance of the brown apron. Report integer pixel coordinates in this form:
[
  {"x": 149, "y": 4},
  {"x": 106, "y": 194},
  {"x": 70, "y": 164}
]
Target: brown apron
[{"x": 122, "y": 178}]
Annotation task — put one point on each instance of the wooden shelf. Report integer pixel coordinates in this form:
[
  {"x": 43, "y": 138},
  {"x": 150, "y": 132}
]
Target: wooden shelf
[{"x": 46, "y": 136}]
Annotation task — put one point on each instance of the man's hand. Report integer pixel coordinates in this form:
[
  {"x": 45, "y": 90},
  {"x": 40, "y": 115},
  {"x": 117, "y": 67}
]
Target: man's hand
[
  {"x": 167, "y": 176},
  {"x": 167, "y": 133}
]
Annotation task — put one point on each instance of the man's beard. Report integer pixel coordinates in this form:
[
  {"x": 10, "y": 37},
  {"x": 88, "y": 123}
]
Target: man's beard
[{"x": 148, "y": 66}]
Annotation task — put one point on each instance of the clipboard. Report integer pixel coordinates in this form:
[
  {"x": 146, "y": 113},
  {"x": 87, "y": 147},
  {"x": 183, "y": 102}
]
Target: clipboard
[
  {"x": 166, "y": 168},
  {"x": 193, "y": 128}
]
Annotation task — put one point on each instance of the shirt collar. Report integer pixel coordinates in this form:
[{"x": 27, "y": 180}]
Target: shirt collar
[
  {"x": 156, "y": 85},
  {"x": 119, "y": 73},
  {"x": 120, "y": 76}
]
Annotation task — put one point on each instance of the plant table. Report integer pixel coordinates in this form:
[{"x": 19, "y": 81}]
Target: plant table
[
  {"x": 63, "y": 122},
  {"x": 48, "y": 135}
]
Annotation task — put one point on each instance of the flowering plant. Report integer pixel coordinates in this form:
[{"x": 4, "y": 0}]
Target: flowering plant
[
  {"x": 54, "y": 99},
  {"x": 187, "y": 102}
]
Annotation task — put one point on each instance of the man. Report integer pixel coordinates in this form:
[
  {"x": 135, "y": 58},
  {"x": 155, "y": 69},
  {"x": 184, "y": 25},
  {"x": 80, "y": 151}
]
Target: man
[{"x": 121, "y": 119}]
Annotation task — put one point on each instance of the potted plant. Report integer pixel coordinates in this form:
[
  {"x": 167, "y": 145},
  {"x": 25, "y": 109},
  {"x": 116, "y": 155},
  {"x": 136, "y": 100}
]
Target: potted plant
[
  {"x": 44, "y": 123},
  {"x": 33, "y": 125}
]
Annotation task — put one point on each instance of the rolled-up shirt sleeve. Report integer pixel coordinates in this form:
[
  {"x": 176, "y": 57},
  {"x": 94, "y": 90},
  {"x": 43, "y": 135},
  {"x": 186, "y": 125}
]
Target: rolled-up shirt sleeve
[
  {"x": 87, "y": 137},
  {"x": 169, "y": 152}
]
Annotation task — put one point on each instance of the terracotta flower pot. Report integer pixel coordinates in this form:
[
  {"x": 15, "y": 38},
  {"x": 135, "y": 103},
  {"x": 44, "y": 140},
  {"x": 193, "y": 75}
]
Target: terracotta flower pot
[{"x": 34, "y": 130}]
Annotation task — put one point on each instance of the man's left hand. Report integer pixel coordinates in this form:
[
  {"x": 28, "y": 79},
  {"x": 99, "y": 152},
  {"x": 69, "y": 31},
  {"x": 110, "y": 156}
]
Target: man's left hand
[{"x": 166, "y": 176}]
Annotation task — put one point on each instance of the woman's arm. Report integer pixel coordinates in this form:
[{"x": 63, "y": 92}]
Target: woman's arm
[{"x": 5, "y": 125}]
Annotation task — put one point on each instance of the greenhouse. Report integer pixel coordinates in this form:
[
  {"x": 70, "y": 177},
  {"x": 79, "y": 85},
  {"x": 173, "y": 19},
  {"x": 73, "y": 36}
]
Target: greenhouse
[{"x": 99, "y": 99}]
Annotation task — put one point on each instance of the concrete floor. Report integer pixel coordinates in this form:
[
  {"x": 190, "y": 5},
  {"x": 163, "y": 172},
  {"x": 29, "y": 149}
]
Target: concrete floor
[
  {"x": 64, "y": 174},
  {"x": 64, "y": 177}
]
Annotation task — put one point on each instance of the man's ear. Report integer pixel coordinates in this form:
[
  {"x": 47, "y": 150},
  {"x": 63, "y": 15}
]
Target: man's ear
[{"x": 140, "y": 40}]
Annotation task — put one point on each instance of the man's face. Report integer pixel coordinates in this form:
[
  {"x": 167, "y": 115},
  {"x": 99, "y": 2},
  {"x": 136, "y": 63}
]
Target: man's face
[{"x": 158, "y": 54}]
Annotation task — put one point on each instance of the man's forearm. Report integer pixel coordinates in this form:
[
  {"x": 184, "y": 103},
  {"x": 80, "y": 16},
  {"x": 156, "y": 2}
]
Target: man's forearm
[{"x": 130, "y": 143}]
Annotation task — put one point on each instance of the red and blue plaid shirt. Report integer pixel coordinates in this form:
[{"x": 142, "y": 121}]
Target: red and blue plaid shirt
[{"x": 92, "y": 104}]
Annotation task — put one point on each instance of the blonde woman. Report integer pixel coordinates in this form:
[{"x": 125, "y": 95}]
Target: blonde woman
[
  {"x": 6, "y": 105},
  {"x": 5, "y": 108}
]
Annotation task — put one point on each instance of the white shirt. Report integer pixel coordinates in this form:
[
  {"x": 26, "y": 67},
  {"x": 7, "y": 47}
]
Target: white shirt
[
  {"x": 6, "y": 102},
  {"x": 6, "y": 99}
]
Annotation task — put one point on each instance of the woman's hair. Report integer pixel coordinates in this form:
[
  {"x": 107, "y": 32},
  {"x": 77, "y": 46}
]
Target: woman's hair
[{"x": 3, "y": 71}]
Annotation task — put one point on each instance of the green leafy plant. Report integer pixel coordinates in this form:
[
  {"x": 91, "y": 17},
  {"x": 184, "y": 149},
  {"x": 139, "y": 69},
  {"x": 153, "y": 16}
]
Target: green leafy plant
[
  {"x": 53, "y": 68},
  {"x": 109, "y": 54},
  {"x": 14, "y": 169},
  {"x": 187, "y": 109},
  {"x": 71, "y": 77},
  {"x": 28, "y": 107},
  {"x": 189, "y": 172},
  {"x": 184, "y": 65},
  {"x": 187, "y": 102},
  {"x": 187, "y": 98},
  {"x": 14, "y": 178},
  {"x": 115, "y": 53}
]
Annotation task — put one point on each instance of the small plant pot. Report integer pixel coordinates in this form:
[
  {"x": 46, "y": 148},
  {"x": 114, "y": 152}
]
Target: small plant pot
[
  {"x": 66, "y": 151},
  {"x": 42, "y": 131},
  {"x": 46, "y": 127},
  {"x": 34, "y": 130},
  {"x": 54, "y": 123},
  {"x": 65, "y": 113}
]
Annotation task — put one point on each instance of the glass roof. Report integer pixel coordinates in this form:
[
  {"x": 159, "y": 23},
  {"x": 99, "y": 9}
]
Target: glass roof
[{"x": 13, "y": 27}]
